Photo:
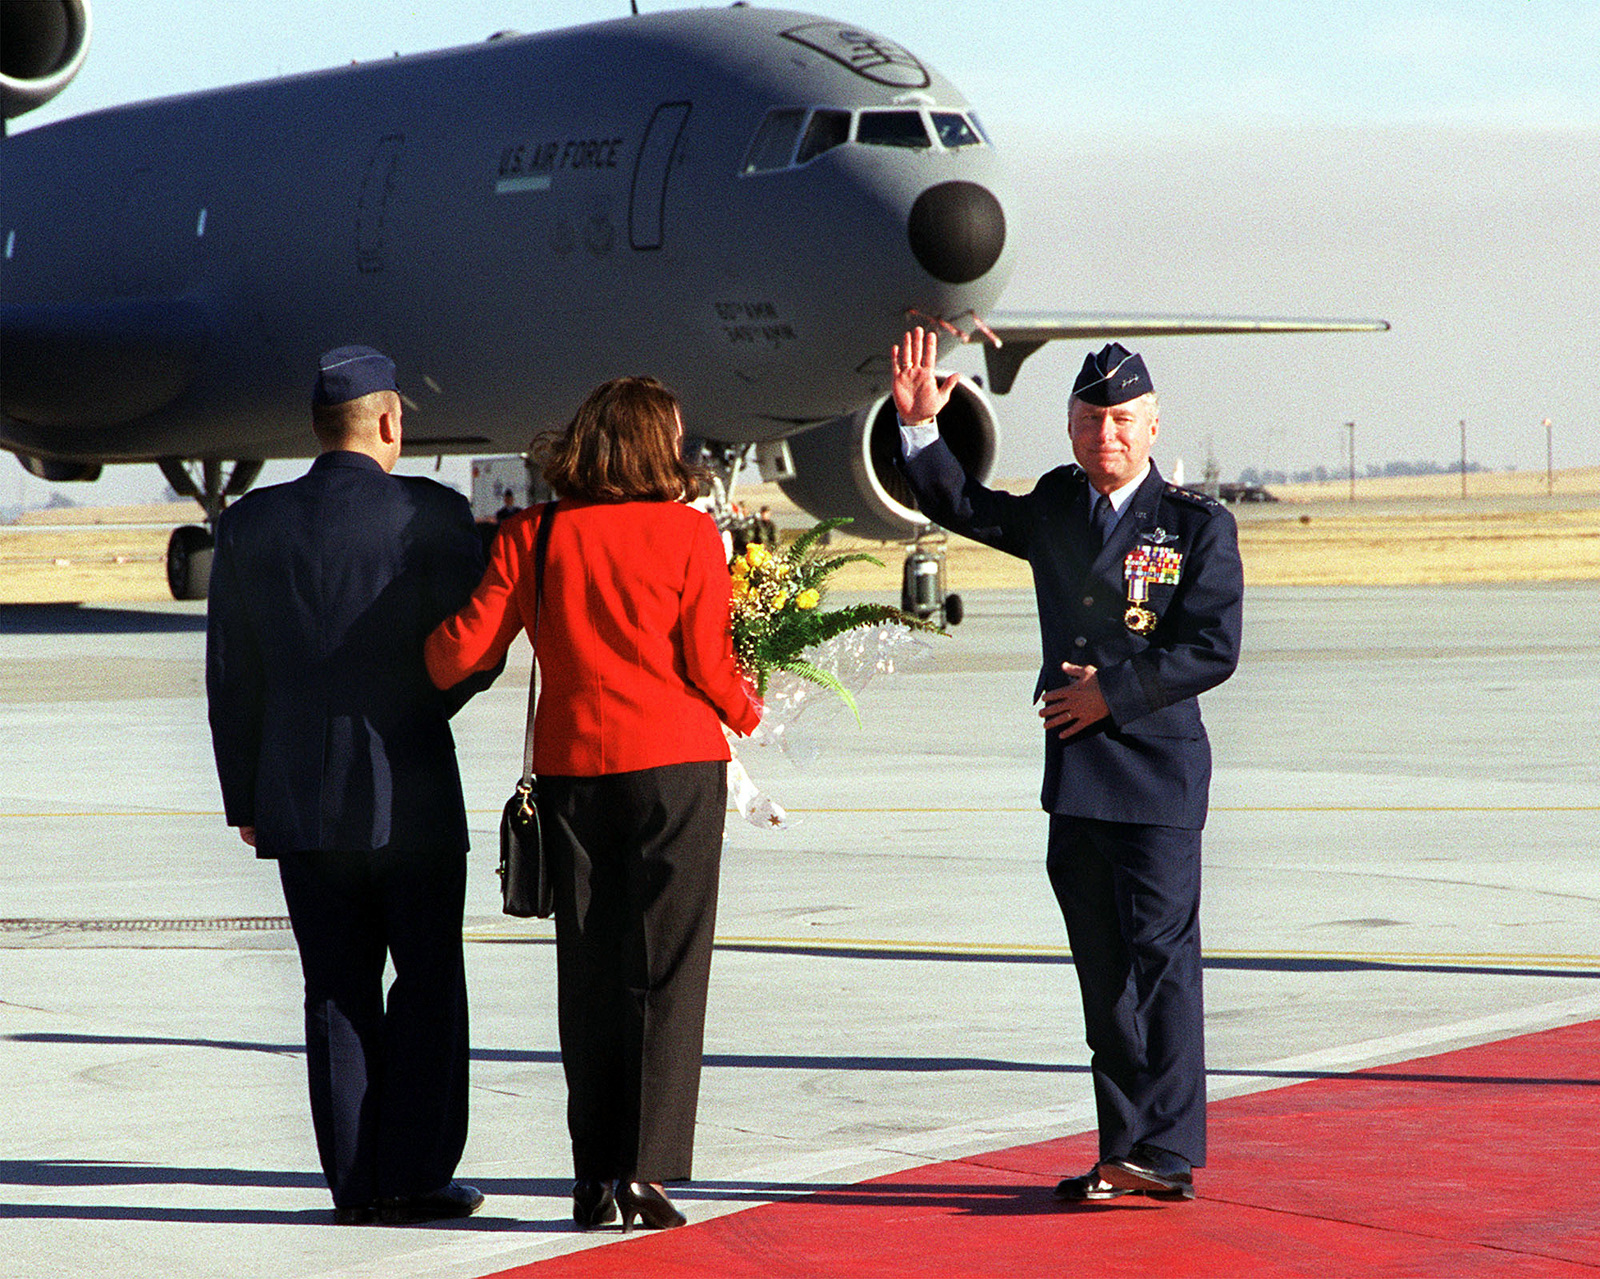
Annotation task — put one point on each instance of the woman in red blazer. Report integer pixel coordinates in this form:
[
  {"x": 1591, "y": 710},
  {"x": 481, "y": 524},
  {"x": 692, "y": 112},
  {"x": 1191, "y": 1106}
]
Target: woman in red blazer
[{"x": 635, "y": 647}]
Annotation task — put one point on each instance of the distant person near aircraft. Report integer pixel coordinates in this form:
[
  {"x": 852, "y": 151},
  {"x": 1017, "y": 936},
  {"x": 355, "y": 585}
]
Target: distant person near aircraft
[
  {"x": 508, "y": 507},
  {"x": 631, "y": 632},
  {"x": 766, "y": 530},
  {"x": 335, "y": 757},
  {"x": 1139, "y": 590},
  {"x": 741, "y": 529}
]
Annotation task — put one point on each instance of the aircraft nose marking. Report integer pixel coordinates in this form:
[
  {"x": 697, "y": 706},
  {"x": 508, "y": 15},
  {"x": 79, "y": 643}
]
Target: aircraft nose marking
[{"x": 957, "y": 231}]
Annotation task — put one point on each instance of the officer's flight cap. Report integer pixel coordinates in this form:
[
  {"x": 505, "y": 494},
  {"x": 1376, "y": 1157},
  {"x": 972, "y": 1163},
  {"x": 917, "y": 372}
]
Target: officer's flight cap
[
  {"x": 1112, "y": 375},
  {"x": 349, "y": 372}
]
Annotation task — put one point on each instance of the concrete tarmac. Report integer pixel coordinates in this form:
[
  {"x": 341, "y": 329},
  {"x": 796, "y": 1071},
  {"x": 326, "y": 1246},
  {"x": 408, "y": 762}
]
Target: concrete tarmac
[{"x": 1400, "y": 860}]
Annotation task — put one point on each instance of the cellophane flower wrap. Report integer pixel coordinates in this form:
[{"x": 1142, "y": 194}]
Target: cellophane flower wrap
[{"x": 780, "y": 624}]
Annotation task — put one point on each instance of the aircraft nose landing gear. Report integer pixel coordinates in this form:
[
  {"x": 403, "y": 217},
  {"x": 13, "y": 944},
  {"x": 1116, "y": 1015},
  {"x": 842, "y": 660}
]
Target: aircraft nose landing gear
[
  {"x": 190, "y": 546},
  {"x": 922, "y": 583}
]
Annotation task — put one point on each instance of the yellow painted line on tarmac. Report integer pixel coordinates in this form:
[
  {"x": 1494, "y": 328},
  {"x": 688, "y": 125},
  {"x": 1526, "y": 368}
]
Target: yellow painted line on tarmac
[
  {"x": 524, "y": 931},
  {"x": 1447, "y": 958},
  {"x": 887, "y": 946},
  {"x": 993, "y": 948}
]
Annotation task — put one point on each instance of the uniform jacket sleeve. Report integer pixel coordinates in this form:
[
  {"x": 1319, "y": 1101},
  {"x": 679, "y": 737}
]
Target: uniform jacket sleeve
[
  {"x": 235, "y": 684},
  {"x": 458, "y": 571},
  {"x": 954, "y": 500}
]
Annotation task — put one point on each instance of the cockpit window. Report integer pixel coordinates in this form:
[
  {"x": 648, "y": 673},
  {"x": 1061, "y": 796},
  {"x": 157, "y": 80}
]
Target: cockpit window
[
  {"x": 792, "y": 136},
  {"x": 828, "y": 129},
  {"x": 892, "y": 129},
  {"x": 774, "y": 140},
  {"x": 954, "y": 130}
]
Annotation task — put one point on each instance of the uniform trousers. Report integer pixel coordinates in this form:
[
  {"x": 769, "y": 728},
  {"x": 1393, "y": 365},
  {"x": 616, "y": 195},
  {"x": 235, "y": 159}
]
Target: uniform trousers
[
  {"x": 1130, "y": 896},
  {"x": 388, "y": 1081},
  {"x": 634, "y": 860}
]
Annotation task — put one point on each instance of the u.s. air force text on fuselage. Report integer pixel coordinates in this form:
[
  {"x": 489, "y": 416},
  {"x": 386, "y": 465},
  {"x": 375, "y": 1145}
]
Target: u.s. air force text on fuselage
[{"x": 532, "y": 166}]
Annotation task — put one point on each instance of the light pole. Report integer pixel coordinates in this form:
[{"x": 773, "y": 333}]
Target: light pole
[
  {"x": 1549, "y": 458},
  {"x": 1351, "y": 427}
]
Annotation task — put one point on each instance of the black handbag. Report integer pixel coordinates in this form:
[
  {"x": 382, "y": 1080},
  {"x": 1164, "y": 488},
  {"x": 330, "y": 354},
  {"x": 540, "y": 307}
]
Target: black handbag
[{"x": 525, "y": 887}]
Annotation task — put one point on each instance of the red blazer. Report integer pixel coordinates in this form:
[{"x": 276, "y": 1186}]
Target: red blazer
[{"x": 635, "y": 645}]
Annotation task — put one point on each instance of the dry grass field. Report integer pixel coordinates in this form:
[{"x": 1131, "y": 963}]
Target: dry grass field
[{"x": 1400, "y": 531}]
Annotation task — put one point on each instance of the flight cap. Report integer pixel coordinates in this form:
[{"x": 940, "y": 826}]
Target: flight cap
[
  {"x": 349, "y": 372},
  {"x": 1112, "y": 375}
]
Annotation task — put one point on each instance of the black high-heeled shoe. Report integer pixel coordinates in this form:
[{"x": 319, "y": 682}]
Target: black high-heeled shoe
[
  {"x": 641, "y": 1199},
  {"x": 594, "y": 1203}
]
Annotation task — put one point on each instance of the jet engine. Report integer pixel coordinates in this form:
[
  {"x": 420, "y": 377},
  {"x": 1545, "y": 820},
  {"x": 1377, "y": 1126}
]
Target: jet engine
[
  {"x": 42, "y": 45},
  {"x": 847, "y": 466}
]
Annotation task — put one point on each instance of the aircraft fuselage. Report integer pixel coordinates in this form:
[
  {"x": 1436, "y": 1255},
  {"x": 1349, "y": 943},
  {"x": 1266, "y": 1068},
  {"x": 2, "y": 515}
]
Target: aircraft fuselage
[{"x": 514, "y": 222}]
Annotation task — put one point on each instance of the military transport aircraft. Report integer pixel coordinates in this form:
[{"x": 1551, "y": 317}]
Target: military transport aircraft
[{"x": 750, "y": 203}]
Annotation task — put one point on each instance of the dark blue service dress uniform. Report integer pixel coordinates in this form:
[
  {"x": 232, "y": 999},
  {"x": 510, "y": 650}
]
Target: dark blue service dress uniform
[
  {"x": 1127, "y": 796},
  {"x": 333, "y": 743}
]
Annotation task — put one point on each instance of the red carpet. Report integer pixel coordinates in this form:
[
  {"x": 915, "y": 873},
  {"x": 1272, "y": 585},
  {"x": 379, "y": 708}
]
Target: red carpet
[{"x": 1480, "y": 1162}]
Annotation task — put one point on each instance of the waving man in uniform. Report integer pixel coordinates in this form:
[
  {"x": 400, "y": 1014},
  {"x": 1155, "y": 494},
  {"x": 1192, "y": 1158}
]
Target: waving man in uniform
[{"x": 1139, "y": 591}]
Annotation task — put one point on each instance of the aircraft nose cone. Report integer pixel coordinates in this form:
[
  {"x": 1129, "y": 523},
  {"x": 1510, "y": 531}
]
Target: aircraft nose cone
[{"x": 957, "y": 231}]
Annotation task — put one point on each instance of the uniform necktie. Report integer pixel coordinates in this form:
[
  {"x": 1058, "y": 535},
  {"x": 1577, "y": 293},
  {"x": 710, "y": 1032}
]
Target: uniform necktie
[{"x": 1103, "y": 517}]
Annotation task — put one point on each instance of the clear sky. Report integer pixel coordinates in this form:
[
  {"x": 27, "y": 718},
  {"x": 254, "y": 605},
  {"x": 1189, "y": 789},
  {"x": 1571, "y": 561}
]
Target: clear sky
[
  {"x": 1145, "y": 64},
  {"x": 1432, "y": 162}
]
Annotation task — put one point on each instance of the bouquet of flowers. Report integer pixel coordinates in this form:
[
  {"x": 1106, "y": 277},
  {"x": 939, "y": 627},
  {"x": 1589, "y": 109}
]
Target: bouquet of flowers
[{"x": 778, "y": 614}]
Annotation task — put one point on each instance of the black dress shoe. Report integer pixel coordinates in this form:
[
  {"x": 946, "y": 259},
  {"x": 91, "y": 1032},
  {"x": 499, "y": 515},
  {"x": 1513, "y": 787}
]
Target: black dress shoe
[
  {"x": 455, "y": 1200},
  {"x": 641, "y": 1199},
  {"x": 1089, "y": 1188},
  {"x": 594, "y": 1203},
  {"x": 354, "y": 1214},
  {"x": 1159, "y": 1173}
]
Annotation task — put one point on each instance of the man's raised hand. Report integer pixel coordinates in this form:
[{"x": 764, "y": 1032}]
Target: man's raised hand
[{"x": 919, "y": 394}]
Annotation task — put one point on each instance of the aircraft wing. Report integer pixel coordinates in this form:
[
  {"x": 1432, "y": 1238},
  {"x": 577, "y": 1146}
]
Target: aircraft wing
[{"x": 1021, "y": 333}]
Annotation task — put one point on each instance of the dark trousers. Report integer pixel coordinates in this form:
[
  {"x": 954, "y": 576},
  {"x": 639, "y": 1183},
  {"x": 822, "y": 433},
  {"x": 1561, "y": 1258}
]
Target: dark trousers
[
  {"x": 634, "y": 858},
  {"x": 388, "y": 1083},
  {"x": 1130, "y": 896}
]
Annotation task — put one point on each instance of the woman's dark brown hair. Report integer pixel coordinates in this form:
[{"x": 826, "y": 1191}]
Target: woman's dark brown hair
[{"x": 622, "y": 446}]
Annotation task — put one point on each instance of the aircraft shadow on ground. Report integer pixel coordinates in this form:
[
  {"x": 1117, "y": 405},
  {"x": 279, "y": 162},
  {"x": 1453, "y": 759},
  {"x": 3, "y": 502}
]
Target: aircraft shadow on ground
[
  {"x": 1223, "y": 963},
  {"x": 972, "y": 1198},
  {"x": 976, "y": 1199},
  {"x": 86, "y": 619},
  {"x": 794, "y": 1061},
  {"x": 65, "y": 1173},
  {"x": 552, "y": 1057}
]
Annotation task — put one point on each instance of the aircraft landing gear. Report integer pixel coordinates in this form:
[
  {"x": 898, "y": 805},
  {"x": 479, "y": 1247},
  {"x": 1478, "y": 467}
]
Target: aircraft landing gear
[
  {"x": 189, "y": 552},
  {"x": 190, "y": 547},
  {"x": 922, "y": 583},
  {"x": 724, "y": 461}
]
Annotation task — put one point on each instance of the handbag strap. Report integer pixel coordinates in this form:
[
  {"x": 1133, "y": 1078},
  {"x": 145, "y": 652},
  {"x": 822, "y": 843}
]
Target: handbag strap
[{"x": 541, "y": 546}]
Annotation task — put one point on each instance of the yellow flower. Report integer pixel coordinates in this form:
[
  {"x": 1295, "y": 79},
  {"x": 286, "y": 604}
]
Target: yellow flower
[
  {"x": 741, "y": 588},
  {"x": 741, "y": 570},
  {"x": 782, "y": 599},
  {"x": 807, "y": 598},
  {"x": 756, "y": 555}
]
